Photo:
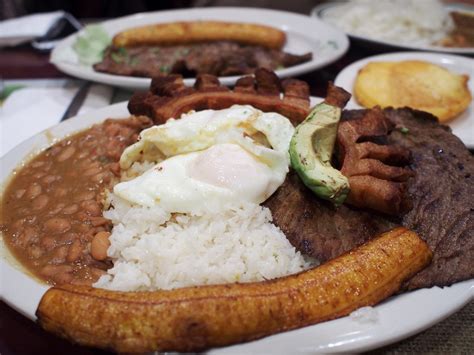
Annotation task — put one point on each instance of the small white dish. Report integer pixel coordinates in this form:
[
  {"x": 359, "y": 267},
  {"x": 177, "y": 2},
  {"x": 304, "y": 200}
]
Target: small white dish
[
  {"x": 396, "y": 318},
  {"x": 321, "y": 11},
  {"x": 463, "y": 125},
  {"x": 304, "y": 34}
]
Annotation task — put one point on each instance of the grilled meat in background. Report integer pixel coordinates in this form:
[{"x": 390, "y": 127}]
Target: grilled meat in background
[{"x": 222, "y": 58}]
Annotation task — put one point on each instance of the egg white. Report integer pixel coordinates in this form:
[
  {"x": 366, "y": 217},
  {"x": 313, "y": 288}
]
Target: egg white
[
  {"x": 199, "y": 130},
  {"x": 208, "y": 160},
  {"x": 222, "y": 175}
]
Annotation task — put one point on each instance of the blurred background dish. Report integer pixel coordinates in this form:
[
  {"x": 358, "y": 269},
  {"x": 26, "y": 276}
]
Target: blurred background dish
[
  {"x": 463, "y": 125},
  {"x": 404, "y": 24},
  {"x": 304, "y": 34}
]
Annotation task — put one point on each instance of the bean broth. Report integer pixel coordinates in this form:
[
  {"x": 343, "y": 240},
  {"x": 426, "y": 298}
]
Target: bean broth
[{"x": 52, "y": 208}]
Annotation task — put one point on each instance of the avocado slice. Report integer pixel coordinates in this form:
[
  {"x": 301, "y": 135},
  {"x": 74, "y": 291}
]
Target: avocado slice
[{"x": 311, "y": 149}]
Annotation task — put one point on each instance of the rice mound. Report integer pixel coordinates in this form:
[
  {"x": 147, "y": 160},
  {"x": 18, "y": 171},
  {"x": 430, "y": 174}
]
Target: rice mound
[
  {"x": 415, "y": 22},
  {"x": 153, "y": 249}
]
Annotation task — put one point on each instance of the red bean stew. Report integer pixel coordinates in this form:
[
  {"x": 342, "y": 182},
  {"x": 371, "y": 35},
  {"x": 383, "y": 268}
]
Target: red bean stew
[{"x": 51, "y": 211}]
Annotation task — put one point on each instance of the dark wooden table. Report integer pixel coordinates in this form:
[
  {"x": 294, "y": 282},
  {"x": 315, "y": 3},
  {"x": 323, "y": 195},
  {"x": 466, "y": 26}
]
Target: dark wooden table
[{"x": 18, "y": 335}]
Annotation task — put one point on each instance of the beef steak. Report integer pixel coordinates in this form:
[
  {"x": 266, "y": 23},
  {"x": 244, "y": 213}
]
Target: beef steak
[
  {"x": 443, "y": 204},
  {"x": 443, "y": 196},
  {"x": 221, "y": 58}
]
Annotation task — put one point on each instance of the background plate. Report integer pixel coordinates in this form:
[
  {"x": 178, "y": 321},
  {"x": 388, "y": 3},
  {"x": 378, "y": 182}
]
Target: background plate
[
  {"x": 463, "y": 125},
  {"x": 320, "y": 11},
  {"x": 304, "y": 34},
  {"x": 397, "y": 317}
]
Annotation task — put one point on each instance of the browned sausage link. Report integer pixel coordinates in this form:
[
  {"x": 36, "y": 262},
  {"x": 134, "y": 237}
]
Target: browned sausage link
[{"x": 196, "y": 318}]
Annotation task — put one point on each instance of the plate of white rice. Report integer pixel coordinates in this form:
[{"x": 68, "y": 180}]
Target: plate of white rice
[{"x": 401, "y": 24}]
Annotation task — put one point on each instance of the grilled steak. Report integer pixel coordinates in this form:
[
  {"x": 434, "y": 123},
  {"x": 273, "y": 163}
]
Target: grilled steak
[
  {"x": 443, "y": 196},
  {"x": 218, "y": 58},
  {"x": 443, "y": 207},
  {"x": 315, "y": 227}
]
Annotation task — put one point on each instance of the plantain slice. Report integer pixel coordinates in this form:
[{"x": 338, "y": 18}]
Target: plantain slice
[
  {"x": 201, "y": 31},
  {"x": 197, "y": 318}
]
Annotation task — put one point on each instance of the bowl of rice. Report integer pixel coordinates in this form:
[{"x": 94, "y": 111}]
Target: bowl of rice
[{"x": 407, "y": 24}]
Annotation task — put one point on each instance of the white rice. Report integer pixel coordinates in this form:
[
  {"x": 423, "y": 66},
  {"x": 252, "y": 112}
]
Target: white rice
[
  {"x": 415, "y": 22},
  {"x": 153, "y": 249}
]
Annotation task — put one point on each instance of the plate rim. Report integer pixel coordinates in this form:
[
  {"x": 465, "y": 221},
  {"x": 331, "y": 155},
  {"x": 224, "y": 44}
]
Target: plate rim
[
  {"x": 301, "y": 340},
  {"x": 84, "y": 72}
]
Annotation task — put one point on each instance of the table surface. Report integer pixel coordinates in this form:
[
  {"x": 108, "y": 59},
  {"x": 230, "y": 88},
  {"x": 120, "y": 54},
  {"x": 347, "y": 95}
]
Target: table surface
[{"x": 18, "y": 335}]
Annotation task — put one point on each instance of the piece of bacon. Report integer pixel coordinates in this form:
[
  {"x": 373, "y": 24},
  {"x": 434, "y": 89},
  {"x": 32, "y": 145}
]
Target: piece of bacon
[
  {"x": 170, "y": 98},
  {"x": 376, "y": 176}
]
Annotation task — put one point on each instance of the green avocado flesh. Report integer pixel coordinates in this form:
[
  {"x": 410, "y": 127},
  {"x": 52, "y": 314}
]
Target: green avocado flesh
[{"x": 311, "y": 149}]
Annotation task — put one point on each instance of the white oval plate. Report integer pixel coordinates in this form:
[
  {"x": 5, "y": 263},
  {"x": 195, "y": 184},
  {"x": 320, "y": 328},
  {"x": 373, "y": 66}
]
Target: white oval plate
[
  {"x": 463, "y": 125},
  {"x": 322, "y": 10},
  {"x": 304, "y": 34},
  {"x": 398, "y": 317}
]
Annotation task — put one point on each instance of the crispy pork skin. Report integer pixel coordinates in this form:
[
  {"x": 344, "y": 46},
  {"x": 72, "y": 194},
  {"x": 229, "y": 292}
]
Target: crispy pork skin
[
  {"x": 169, "y": 97},
  {"x": 374, "y": 182}
]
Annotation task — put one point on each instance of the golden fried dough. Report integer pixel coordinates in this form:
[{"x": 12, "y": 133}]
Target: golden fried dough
[
  {"x": 201, "y": 31},
  {"x": 416, "y": 84},
  {"x": 197, "y": 318}
]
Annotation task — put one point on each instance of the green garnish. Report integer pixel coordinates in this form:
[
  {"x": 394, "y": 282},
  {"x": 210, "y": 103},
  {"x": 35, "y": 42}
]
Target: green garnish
[
  {"x": 117, "y": 58},
  {"x": 404, "y": 130},
  {"x": 164, "y": 68},
  {"x": 134, "y": 61},
  {"x": 8, "y": 90},
  {"x": 333, "y": 44},
  {"x": 91, "y": 45}
]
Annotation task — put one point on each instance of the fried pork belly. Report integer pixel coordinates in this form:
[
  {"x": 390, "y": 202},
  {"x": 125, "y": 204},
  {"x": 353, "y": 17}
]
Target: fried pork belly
[
  {"x": 337, "y": 96},
  {"x": 374, "y": 170},
  {"x": 170, "y": 98}
]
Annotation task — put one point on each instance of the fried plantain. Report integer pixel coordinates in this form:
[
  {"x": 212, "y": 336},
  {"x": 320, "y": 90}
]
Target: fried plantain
[
  {"x": 201, "y": 31},
  {"x": 197, "y": 318}
]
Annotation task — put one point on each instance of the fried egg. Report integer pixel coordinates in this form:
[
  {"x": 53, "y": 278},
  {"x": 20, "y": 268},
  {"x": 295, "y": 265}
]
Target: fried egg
[{"x": 209, "y": 160}]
